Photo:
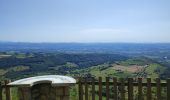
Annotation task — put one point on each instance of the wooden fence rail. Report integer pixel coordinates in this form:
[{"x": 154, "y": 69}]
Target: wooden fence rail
[
  {"x": 124, "y": 89},
  {"x": 114, "y": 89}
]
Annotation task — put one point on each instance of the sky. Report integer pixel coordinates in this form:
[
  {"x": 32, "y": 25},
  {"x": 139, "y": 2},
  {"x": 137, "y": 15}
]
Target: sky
[{"x": 136, "y": 21}]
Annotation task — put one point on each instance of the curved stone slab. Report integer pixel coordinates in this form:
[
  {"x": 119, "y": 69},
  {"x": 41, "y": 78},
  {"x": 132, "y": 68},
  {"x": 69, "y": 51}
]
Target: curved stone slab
[{"x": 55, "y": 80}]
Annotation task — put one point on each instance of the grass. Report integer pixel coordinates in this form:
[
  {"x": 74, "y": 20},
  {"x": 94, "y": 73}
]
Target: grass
[
  {"x": 2, "y": 72},
  {"x": 154, "y": 70},
  {"x": 21, "y": 56},
  {"x": 132, "y": 62},
  {"x": 104, "y": 70}
]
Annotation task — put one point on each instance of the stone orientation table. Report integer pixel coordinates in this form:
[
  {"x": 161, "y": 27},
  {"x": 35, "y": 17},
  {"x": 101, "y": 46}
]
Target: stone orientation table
[{"x": 48, "y": 87}]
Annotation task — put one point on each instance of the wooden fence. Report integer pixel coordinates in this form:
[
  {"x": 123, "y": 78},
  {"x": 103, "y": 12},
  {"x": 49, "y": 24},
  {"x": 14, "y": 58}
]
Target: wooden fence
[
  {"x": 114, "y": 89},
  {"x": 123, "y": 89},
  {"x": 3, "y": 85}
]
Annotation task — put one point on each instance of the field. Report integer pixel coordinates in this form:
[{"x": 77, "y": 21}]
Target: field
[
  {"x": 114, "y": 60},
  {"x": 131, "y": 68}
]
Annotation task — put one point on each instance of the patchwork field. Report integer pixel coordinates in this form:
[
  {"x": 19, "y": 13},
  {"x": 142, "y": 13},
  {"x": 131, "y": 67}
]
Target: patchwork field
[
  {"x": 131, "y": 68},
  {"x": 4, "y": 56}
]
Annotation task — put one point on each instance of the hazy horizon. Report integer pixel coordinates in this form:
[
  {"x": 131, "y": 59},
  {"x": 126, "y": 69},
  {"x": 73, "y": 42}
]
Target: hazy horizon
[
  {"x": 87, "y": 42},
  {"x": 86, "y": 21}
]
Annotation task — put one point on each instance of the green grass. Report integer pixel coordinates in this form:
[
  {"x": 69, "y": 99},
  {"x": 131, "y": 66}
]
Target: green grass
[
  {"x": 132, "y": 62},
  {"x": 2, "y": 72},
  {"x": 104, "y": 70},
  {"x": 18, "y": 68},
  {"x": 154, "y": 70},
  {"x": 21, "y": 56}
]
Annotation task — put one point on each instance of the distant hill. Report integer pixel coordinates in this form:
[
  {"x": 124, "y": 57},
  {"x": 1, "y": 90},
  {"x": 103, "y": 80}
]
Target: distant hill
[
  {"x": 20, "y": 64},
  {"x": 127, "y": 48},
  {"x": 18, "y": 60}
]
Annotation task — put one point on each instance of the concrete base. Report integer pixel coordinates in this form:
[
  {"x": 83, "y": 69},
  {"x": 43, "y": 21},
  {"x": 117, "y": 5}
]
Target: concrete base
[{"x": 43, "y": 91}]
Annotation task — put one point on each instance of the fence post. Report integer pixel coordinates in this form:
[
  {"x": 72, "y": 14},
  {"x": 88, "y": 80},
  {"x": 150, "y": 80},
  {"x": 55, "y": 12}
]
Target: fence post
[
  {"x": 122, "y": 89},
  {"x": 100, "y": 88},
  {"x": 0, "y": 90},
  {"x": 80, "y": 89},
  {"x": 93, "y": 88},
  {"x": 130, "y": 88},
  {"x": 158, "y": 86},
  {"x": 149, "y": 94},
  {"x": 7, "y": 90},
  {"x": 86, "y": 89},
  {"x": 115, "y": 88},
  {"x": 168, "y": 89},
  {"x": 107, "y": 89},
  {"x": 140, "y": 97}
]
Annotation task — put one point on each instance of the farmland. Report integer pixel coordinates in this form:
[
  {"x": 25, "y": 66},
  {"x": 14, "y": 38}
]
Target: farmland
[{"x": 114, "y": 60}]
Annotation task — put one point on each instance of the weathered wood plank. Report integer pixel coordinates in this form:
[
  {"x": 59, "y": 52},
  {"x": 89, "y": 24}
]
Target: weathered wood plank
[
  {"x": 100, "y": 88},
  {"x": 115, "y": 88},
  {"x": 93, "y": 88},
  {"x": 163, "y": 84},
  {"x": 0, "y": 91},
  {"x": 107, "y": 89},
  {"x": 140, "y": 97},
  {"x": 80, "y": 89},
  {"x": 149, "y": 94},
  {"x": 158, "y": 81},
  {"x": 86, "y": 89},
  {"x": 168, "y": 89},
  {"x": 122, "y": 89},
  {"x": 130, "y": 88},
  {"x": 7, "y": 90}
]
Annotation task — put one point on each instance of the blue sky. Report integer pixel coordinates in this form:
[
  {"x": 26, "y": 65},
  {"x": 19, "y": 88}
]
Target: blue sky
[{"x": 85, "y": 21}]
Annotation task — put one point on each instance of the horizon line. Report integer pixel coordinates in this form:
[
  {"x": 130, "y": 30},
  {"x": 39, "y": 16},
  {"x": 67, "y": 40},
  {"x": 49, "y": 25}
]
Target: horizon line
[{"x": 87, "y": 42}]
